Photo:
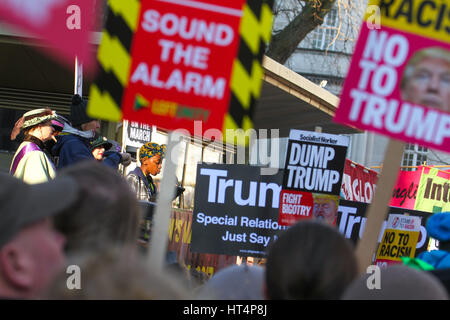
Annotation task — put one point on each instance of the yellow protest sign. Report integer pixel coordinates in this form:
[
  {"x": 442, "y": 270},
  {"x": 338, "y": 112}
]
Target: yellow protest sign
[
  {"x": 433, "y": 194},
  {"x": 427, "y": 18},
  {"x": 399, "y": 239}
]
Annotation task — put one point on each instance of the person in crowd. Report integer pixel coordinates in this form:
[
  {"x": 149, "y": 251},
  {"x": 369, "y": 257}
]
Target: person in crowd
[
  {"x": 140, "y": 179},
  {"x": 108, "y": 214},
  {"x": 99, "y": 146},
  {"x": 438, "y": 227},
  {"x": 310, "y": 260},
  {"x": 117, "y": 274},
  {"x": 31, "y": 162},
  {"x": 74, "y": 142},
  {"x": 31, "y": 250},
  {"x": 244, "y": 282},
  {"x": 396, "y": 282},
  {"x": 426, "y": 79},
  {"x": 325, "y": 208}
]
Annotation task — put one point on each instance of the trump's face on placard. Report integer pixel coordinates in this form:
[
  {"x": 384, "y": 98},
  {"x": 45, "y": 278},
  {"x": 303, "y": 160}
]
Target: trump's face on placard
[{"x": 426, "y": 79}]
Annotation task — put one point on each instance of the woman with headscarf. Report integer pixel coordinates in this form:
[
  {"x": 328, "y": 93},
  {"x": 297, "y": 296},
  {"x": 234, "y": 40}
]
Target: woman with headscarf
[
  {"x": 140, "y": 179},
  {"x": 31, "y": 162}
]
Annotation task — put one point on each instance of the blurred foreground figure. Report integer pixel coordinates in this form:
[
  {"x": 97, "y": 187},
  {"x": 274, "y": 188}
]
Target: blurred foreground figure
[
  {"x": 108, "y": 213},
  {"x": 310, "y": 261},
  {"x": 31, "y": 250},
  {"x": 118, "y": 274},
  {"x": 397, "y": 282},
  {"x": 242, "y": 282}
]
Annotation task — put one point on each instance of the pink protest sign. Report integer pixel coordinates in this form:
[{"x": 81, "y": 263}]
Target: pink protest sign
[
  {"x": 405, "y": 190},
  {"x": 60, "y": 27},
  {"x": 398, "y": 84}
]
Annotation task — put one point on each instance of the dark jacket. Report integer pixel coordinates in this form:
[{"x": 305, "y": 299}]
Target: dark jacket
[{"x": 72, "y": 148}]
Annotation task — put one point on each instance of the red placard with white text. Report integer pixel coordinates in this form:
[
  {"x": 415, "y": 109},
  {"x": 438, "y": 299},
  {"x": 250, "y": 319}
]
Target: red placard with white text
[
  {"x": 183, "y": 55},
  {"x": 294, "y": 206}
]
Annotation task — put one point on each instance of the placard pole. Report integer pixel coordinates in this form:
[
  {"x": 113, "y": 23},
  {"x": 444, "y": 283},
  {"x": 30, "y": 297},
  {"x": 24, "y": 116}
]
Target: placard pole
[
  {"x": 78, "y": 81},
  {"x": 379, "y": 208},
  {"x": 159, "y": 235}
]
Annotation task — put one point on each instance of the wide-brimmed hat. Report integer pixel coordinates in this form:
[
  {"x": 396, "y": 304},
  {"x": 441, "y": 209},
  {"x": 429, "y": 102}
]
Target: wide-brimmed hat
[
  {"x": 37, "y": 116},
  {"x": 23, "y": 204},
  {"x": 100, "y": 141}
]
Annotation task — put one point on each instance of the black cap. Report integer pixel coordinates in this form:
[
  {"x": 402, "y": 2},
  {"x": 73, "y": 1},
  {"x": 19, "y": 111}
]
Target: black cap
[{"x": 78, "y": 115}]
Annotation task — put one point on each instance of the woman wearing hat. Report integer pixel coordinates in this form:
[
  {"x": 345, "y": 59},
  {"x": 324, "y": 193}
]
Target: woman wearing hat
[
  {"x": 31, "y": 162},
  {"x": 140, "y": 179}
]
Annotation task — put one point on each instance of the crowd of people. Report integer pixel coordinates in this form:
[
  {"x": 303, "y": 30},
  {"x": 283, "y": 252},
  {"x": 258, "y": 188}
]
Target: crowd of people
[{"x": 65, "y": 203}]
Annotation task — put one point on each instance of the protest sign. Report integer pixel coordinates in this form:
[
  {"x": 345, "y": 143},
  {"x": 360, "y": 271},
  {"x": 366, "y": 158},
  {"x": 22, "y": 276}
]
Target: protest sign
[
  {"x": 399, "y": 239},
  {"x": 61, "y": 28},
  {"x": 312, "y": 177},
  {"x": 235, "y": 210},
  {"x": 358, "y": 182},
  {"x": 351, "y": 222},
  {"x": 391, "y": 88},
  {"x": 180, "y": 231},
  {"x": 405, "y": 190},
  {"x": 136, "y": 134},
  {"x": 172, "y": 63},
  {"x": 433, "y": 194}
]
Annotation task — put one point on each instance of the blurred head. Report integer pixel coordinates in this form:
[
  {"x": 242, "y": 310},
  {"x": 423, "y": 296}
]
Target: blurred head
[
  {"x": 151, "y": 155},
  {"x": 31, "y": 250},
  {"x": 242, "y": 282},
  {"x": 33, "y": 257},
  {"x": 310, "y": 260},
  {"x": 108, "y": 213},
  {"x": 397, "y": 282},
  {"x": 118, "y": 274},
  {"x": 426, "y": 79}
]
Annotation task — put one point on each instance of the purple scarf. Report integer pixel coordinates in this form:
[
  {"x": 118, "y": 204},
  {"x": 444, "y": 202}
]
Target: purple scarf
[{"x": 28, "y": 148}]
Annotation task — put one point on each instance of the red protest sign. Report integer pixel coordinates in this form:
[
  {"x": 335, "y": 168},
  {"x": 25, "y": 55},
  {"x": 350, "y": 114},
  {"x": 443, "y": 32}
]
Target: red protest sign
[
  {"x": 294, "y": 206},
  {"x": 63, "y": 26},
  {"x": 182, "y": 58},
  {"x": 405, "y": 190},
  {"x": 358, "y": 182}
]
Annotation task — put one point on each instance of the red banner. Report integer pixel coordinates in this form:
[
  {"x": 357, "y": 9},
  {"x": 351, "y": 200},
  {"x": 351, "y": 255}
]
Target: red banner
[
  {"x": 405, "y": 190},
  {"x": 62, "y": 25},
  {"x": 358, "y": 183}
]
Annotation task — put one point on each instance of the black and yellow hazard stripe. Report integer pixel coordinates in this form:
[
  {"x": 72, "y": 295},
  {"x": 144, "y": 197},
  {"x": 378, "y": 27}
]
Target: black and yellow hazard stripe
[
  {"x": 114, "y": 58},
  {"x": 246, "y": 78}
]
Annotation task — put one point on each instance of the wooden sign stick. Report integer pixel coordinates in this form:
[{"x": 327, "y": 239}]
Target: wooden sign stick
[
  {"x": 379, "y": 208},
  {"x": 159, "y": 235}
]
